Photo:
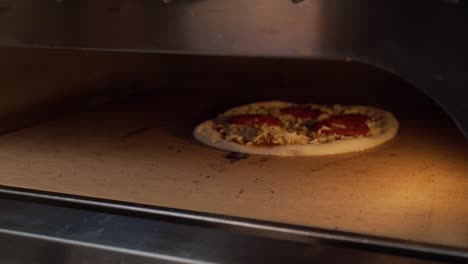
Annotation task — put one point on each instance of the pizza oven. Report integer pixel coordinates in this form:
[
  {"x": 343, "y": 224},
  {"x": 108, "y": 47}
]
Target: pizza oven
[{"x": 100, "y": 98}]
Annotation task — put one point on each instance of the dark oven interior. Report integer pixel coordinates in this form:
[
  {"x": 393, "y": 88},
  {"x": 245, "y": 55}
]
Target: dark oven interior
[{"x": 118, "y": 126}]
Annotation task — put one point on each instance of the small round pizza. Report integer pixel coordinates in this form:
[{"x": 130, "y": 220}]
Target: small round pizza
[{"x": 280, "y": 128}]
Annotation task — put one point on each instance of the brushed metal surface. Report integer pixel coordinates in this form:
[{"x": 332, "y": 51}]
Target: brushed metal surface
[
  {"x": 424, "y": 41},
  {"x": 56, "y": 229}
]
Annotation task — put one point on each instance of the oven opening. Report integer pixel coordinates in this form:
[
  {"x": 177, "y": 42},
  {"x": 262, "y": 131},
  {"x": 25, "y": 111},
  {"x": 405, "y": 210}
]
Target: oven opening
[{"x": 119, "y": 126}]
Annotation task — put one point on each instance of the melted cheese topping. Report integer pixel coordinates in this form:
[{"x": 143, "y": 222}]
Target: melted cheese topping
[{"x": 293, "y": 131}]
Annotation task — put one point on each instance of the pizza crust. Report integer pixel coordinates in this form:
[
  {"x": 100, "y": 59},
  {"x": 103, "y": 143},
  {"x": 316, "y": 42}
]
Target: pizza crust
[{"x": 206, "y": 133}]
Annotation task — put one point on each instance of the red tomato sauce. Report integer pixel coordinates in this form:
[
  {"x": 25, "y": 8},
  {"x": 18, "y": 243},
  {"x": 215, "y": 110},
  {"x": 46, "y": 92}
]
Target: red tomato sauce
[
  {"x": 301, "y": 112},
  {"x": 345, "y": 125}
]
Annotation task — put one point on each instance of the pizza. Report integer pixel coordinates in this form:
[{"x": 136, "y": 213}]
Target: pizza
[{"x": 281, "y": 128}]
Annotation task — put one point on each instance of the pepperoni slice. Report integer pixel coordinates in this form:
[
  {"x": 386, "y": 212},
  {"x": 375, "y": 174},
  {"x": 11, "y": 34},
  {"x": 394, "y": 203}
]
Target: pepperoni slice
[
  {"x": 346, "y": 125},
  {"x": 254, "y": 120},
  {"x": 301, "y": 112}
]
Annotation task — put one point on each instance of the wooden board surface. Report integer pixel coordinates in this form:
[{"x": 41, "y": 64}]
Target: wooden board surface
[{"x": 414, "y": 187}]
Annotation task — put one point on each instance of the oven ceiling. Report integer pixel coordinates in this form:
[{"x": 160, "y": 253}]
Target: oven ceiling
[{"x": 423, "y": 41}]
